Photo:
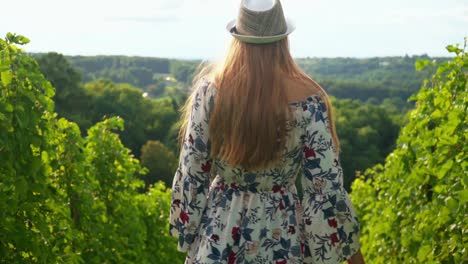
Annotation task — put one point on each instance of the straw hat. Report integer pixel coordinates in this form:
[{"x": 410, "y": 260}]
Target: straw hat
[{"x": 260, "y": 21}]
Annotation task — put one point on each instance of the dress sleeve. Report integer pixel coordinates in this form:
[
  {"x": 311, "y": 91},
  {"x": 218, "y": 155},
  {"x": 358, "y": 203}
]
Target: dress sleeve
[
  {"x": 192, "y": 177},
  {"x": 330, "y": 224}
]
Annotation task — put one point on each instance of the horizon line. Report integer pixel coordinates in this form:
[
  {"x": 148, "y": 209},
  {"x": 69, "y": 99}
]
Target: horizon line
[{"x": 208, "y": 59}]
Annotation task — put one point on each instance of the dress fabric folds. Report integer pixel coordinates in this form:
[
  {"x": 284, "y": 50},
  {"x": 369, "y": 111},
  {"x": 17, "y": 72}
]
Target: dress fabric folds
[{"x": 224, "y": 214}]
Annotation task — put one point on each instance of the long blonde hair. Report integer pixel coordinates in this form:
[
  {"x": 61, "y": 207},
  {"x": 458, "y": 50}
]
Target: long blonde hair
[{"x": 248, "y": 123}]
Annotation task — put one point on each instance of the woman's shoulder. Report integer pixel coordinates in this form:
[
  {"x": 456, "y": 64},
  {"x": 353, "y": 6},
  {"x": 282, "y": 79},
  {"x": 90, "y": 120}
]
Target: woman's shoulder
[
  {"x": 298, "y": 90},
  {"x": 207, "y": 85},
  {"x": 203, "y": 87}
]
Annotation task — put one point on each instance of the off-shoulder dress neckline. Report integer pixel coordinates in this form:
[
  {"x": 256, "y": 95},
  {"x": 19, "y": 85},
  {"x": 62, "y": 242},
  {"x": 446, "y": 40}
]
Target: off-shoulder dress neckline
[
  {"x": 307, "y": 99},
  {"x": 294, "y": 103}
]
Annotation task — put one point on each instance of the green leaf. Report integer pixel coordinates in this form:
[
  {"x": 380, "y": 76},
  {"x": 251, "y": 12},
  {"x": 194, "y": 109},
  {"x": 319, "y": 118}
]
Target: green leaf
[
  {"x": 463, "y": 194},
  {"x": 8, "y": 108},
  {"x": 6, "y": 77},
  {"x": 454, "y": 49},
  {"x": 444, "y": 169},
  {"x": 22, "y": 40},
  {"x": 440, "y": 188},
  {"x": 16, "y": 39},
  {"x": 423, "y": 252},
  {"x": 421, "y": 64},
  {"x": 452, "y": 204},
  {"x": 10, "y": 37},
  {"x": 465, "y": 177}
]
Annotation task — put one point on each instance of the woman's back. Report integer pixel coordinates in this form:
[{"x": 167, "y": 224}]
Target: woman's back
[{"x": 234, "y": 215}]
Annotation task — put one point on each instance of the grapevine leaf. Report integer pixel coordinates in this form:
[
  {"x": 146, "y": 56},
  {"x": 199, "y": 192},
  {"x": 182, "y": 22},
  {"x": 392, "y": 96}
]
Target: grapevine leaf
[{"x": 6, "y": 77}]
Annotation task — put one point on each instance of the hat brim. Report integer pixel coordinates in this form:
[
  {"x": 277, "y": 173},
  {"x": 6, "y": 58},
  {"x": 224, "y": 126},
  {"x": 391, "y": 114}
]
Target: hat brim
[{"x": 257, "y": 39}]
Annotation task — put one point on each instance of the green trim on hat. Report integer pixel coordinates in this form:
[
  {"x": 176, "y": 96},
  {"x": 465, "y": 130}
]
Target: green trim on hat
[{"x": 230, "y": 27}]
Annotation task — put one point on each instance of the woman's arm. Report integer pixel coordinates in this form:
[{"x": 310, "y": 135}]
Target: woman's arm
[{"x": 357, "y": 258}]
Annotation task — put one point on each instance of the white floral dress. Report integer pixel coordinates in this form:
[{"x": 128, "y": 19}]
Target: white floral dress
[{"x": 223, "y": 214}]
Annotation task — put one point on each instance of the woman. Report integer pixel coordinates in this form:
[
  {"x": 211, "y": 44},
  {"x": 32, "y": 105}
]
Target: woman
[{"x": 250, "y": 126}]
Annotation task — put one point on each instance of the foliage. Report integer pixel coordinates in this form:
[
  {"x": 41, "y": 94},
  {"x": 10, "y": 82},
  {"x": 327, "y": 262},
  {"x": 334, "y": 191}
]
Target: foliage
[
  {"x": 160, "y": 161},
  {"x": 33, "y": 220},
  {"x": 184, "y": 70},
  {"x": 113, "y": 170},
  {"x": 146, "y": 118},
  {"x": 413, "y": 208},
  {"x": 70, "y": 99},
  {"x": 155, "y": 206},
  {"x": 367, "y": 135},
  {"x": 65, "y": 198}
]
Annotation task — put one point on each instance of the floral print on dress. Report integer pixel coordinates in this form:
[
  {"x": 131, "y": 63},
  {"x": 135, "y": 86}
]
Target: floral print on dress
[{"x": 224, "y": 214}]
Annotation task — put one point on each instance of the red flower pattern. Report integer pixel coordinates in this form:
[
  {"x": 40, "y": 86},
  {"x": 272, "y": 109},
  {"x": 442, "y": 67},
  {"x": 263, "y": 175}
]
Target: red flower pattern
[
  {"x": 276, "y": 188},
  {"x": 232, "y": 257},
  {"x": 206, "y": 167},
  {"x": 184, "y": 217},
  {"x": 308, "y": 152},
  {"x": 332, "y": 222},
  {"x": 235, "y": 233},
  {"x": 334, "y": 238},
  {"x": 281, "y": 205}
]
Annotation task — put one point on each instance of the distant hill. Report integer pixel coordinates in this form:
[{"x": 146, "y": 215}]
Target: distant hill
[
  {"x": 371, "y": 79},
  {"x": 138, "y": 71}
]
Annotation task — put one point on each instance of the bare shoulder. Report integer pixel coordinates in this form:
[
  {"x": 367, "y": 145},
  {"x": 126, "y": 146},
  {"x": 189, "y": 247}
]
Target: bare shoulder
[{"x": 299, "y": 90}]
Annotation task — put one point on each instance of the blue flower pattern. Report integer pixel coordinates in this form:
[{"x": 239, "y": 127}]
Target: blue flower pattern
[{"x": 224, "y": 214}]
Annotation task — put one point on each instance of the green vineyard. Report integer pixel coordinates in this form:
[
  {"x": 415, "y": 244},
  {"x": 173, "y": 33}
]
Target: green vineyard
[{"x": 74, "y": 196}]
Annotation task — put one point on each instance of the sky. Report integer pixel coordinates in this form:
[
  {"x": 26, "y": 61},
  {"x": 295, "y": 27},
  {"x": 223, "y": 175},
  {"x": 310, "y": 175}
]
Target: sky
[{"x": 196, "y": 29}]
